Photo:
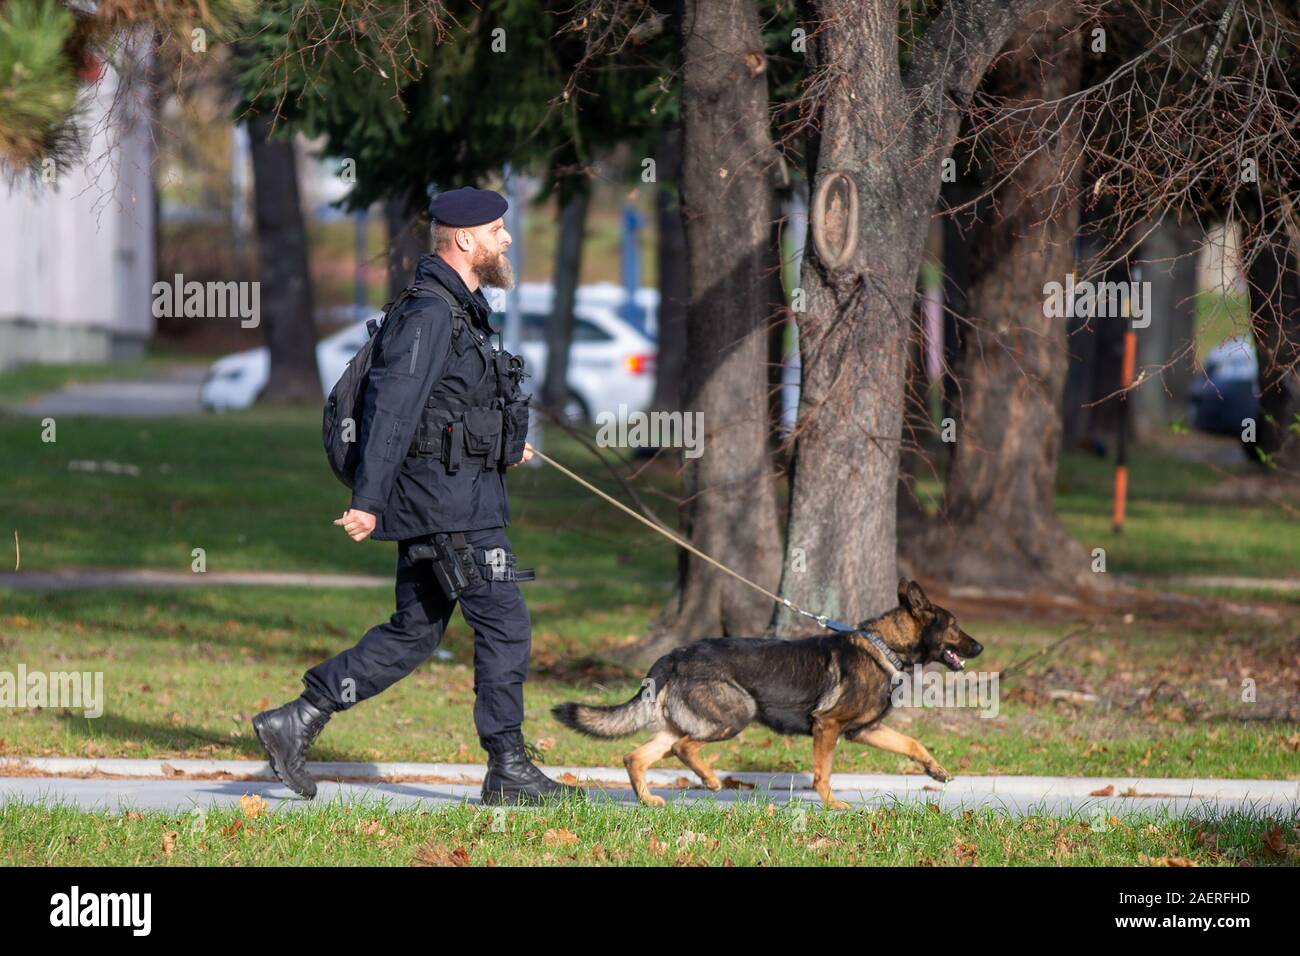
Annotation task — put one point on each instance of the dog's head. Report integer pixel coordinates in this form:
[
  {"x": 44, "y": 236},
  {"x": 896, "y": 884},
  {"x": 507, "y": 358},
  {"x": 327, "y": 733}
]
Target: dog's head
[{"x": 940, "y": 637}]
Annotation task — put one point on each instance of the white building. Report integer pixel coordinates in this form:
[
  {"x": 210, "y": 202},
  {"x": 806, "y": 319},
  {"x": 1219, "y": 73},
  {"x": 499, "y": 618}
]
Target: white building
[{"x": 77, "y": 254}]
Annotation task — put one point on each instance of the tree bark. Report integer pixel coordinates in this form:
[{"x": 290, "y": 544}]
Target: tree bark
[
  {"x": 1274, "y": 287},
  {"x": 729, "y": 509},
  {"x": 408, "y": 239},
  {"x": 286, "y": 293},
  {"x": 670, "y": 360},
  {"x": 999, "y": 526},
  {"x": 1167, "y": 347},
  {"x": 574, "y": 202},
  {"x": 886, "y": 133}
]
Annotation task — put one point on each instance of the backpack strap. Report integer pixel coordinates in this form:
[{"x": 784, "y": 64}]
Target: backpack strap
[{"x": 459, "y": 317}]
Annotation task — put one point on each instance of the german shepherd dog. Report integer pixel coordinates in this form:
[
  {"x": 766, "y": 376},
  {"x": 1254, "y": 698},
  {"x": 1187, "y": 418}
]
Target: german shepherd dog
[{"x": 826, "y": 687}]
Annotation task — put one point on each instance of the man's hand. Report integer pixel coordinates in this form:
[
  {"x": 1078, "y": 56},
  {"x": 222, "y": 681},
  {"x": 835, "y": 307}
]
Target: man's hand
[
  {"x": 528, "y": 453},
  {"x": 358, "y": 524}
]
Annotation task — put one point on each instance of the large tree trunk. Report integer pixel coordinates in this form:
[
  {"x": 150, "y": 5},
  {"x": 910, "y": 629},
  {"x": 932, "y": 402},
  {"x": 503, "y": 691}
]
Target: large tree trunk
[
  {"x": 999, "y": 526},
  {"x": 286, "y": 295},
  {"x": 1095, "y": 348},
  {"x": 1167, "y": 347},
  {"x": 670, "y": 360},
  {"x": 574, "y": 200},
  {"x": 883, "y": 136},
  {"x": 408, "y": 239},
  {"x": 729, "y": 509},
  {"x": 1274, "y": 286}
]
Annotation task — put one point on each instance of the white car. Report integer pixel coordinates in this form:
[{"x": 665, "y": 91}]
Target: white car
[
  {"x": 611, "y": 362},
  {"x": 236, "y": 381}
]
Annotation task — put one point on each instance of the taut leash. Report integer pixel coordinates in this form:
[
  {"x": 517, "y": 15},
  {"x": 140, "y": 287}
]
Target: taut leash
[{"x": 887, "y": 657}]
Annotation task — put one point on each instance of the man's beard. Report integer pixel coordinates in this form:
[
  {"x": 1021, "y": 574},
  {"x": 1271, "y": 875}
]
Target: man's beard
[{"x": 494, "y": 270}]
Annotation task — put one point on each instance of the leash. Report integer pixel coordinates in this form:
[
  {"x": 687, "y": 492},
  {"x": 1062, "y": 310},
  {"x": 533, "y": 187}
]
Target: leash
[{"x": 888, "y": 658}]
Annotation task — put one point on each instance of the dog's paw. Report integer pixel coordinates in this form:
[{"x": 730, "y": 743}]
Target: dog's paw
[
  {"x": 652, "y": 800},
  {"x": 712, "y": 783},
  {"x": 838, "y": 804},
  {"x": 938, "y": 773}
]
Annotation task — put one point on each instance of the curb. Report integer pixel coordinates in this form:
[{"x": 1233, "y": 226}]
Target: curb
[{"x": 1027, "y": 786}]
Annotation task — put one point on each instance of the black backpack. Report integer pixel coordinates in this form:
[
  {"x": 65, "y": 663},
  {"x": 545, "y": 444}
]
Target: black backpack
[{"x": 344, "y": 407}]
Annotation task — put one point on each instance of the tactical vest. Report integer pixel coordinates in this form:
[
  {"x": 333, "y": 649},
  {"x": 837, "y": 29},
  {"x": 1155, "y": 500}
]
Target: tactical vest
[{"x": 484, "y": 426}]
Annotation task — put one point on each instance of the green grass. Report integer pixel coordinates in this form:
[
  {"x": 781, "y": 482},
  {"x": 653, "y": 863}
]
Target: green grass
[
  {"x": 1172, "y": 527},
  {"x": 1219, "y": 317},
  {"x": 185, "y": 670},
  {"x": 747, "y": 834},
  {"x": 253, "y": 490}
]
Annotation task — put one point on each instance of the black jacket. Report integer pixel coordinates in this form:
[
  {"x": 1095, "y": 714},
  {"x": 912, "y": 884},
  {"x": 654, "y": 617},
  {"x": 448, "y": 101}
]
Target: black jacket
[{"x": 415, "y": 496}]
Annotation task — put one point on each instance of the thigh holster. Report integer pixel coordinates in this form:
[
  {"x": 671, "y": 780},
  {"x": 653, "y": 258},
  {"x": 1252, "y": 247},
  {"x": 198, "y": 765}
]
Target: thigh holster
[
  {"x": 452, "y": 561},
  {"x": 457, "y": 567}
]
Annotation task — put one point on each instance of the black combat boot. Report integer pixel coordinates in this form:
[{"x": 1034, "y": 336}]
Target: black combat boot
[
  {"x": 287, "y": 733},
  {"x": 513, "y": 778}
]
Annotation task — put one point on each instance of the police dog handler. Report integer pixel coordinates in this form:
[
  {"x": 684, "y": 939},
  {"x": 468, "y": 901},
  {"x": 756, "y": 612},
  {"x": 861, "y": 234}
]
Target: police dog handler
[{"x": 432, "y": 476}]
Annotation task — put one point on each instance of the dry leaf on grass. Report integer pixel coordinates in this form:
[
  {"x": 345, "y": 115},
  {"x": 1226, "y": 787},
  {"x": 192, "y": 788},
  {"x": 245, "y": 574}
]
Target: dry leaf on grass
[
  {"x": 559, "y": 836},
  {"x": 433, "y": 855}
]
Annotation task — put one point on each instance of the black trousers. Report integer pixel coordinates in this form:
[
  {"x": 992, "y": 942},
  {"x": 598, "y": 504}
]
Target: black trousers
[{"x": 388, "y": 652}]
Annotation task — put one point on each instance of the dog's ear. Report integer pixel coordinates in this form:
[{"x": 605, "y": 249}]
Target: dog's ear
[{"x": 913, "y": 598}]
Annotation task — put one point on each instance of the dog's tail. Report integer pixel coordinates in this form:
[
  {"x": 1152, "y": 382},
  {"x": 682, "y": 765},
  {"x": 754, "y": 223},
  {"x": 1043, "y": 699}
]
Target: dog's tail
[{"x": 617, "y": 721}]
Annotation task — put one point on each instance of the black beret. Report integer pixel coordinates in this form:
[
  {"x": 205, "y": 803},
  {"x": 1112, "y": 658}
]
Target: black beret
[{"x": 467, "y": 206}]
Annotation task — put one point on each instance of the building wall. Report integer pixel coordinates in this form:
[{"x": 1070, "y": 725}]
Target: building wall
[{"x": 77, "y": 255}]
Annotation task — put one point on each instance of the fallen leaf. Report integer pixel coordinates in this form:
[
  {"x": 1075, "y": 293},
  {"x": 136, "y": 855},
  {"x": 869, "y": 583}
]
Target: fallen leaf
[
  {"x": 433, "y": 855},
  {"x": 1275, "y": 843},
  {"x": 1106, "y": 791},
  {"x": 252, "y": 805},
  {"x": 559, "y": 836}
]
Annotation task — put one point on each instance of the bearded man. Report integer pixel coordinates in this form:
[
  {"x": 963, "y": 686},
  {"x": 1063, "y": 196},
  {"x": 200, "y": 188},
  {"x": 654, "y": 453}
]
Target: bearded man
[{"x": 442, "y": 412}]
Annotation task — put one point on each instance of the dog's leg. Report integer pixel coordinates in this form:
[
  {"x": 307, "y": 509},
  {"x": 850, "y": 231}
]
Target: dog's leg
[
  {"x": 895, "y": 743},
  {"x": 639, "y": 760},
  {"x": 826, "y": 733},
  {"x": 688, "y": 752}
]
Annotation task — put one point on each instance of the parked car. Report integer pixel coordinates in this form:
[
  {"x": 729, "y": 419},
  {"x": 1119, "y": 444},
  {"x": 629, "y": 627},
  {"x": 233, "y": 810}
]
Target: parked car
[
  {"x": 1223, "y": 393},
  {"x": 236, "y": 381},
  {"x": 611, "y": 363}
]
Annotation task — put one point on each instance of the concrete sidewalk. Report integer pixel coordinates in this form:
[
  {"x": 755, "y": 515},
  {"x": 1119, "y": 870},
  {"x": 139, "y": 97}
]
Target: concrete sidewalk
[
  {"x": 173, "y": 392},
  {"x": 65, "y": 579},
  {"x": 180, "y": 785}
]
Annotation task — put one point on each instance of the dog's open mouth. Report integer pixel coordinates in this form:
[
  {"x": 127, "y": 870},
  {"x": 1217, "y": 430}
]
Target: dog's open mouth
[{"x": 952, "y": 659}]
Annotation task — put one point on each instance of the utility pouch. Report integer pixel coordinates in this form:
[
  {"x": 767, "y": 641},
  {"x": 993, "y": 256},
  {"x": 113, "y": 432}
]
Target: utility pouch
[
  {"x": 483, "y": 434},
  {"x": 514, "y": 432},
  {"x": 452, "y": 563}
]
